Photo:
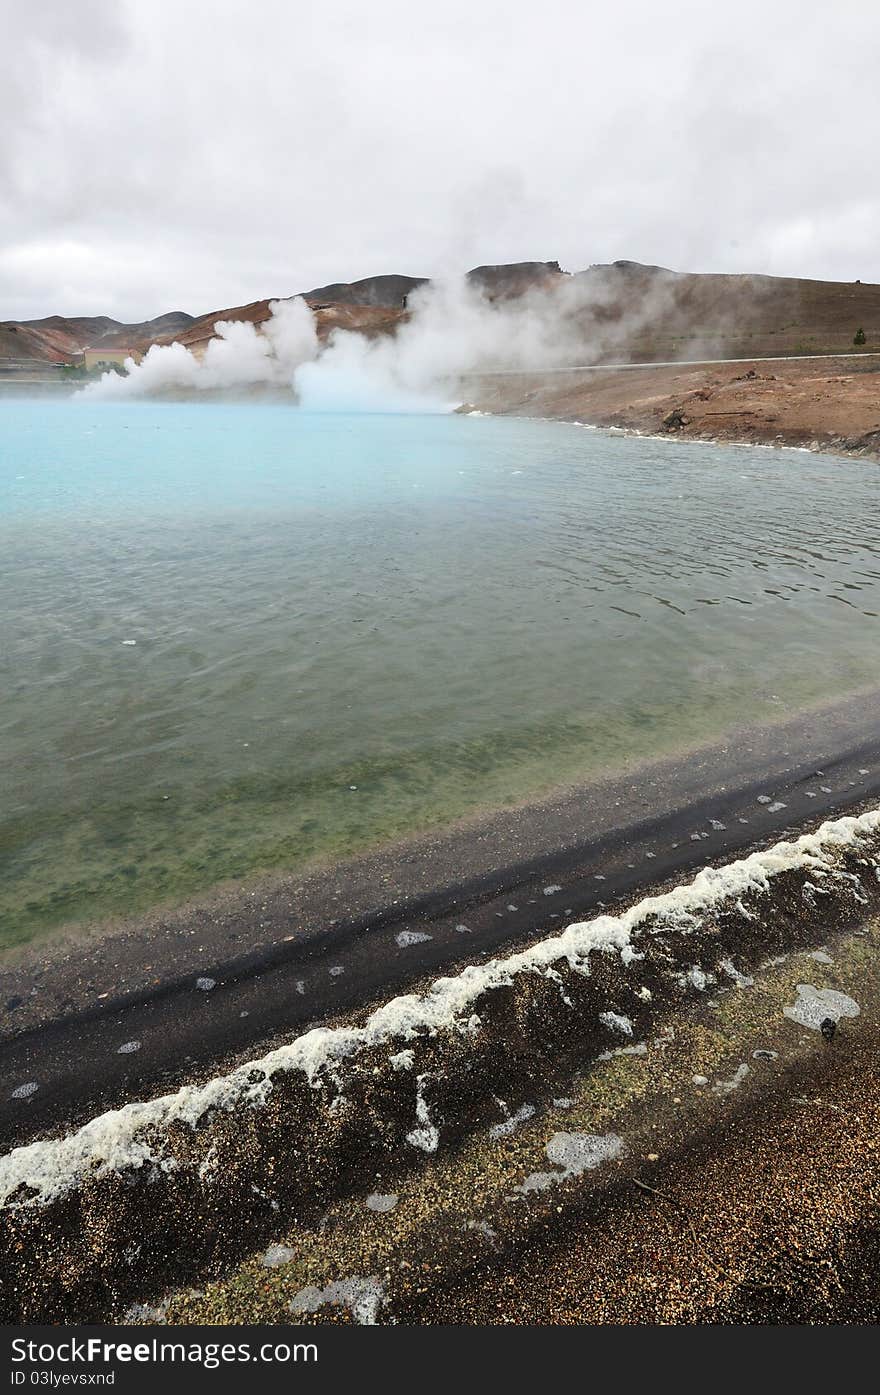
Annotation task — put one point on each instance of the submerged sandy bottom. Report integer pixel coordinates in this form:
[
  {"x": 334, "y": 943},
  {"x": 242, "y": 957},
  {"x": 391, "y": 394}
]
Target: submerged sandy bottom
[{"x": 243, "y": 639}]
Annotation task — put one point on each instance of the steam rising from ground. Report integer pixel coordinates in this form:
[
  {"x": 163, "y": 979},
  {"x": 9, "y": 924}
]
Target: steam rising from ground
[
  {"x": 452, "y": 329},
  {"x": 239, "y": 358}
]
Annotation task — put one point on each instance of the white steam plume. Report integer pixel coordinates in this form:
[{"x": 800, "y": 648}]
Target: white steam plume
[
  {"x": 240, "y": 357},
  {"x": 452, "y": 330}
]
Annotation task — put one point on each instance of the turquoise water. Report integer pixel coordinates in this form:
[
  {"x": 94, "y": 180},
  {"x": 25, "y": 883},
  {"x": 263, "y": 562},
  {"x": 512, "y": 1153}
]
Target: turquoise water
[{"x": 449, "y": 613}]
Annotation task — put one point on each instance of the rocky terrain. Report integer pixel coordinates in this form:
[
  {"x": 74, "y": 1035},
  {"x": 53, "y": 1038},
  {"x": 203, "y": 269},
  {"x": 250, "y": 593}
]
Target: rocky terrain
[{"x": 830, "y": 404}]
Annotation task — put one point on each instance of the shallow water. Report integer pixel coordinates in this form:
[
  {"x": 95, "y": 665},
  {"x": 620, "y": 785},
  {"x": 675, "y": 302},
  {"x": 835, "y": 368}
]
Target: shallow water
[{"x": 445, "y": 613}]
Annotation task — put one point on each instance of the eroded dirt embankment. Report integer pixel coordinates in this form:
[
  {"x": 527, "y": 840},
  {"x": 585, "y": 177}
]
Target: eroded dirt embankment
[
  {"x": 736, "y": 1179},
  {"x": 822, "y": 404},
  {"x": 182, "y": 1187},
  {"x": 750, "y": 1191}
]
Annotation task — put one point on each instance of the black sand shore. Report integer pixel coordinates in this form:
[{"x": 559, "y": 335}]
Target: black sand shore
[{"x": 300, "y": 951}]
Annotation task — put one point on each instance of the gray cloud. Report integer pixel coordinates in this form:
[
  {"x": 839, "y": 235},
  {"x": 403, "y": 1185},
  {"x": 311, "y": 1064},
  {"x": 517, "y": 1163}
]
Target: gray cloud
[{"x": 198, "y": 155}]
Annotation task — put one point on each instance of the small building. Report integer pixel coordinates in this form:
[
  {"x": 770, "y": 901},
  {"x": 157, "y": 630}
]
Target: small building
[{"x": 108, "y": 357}]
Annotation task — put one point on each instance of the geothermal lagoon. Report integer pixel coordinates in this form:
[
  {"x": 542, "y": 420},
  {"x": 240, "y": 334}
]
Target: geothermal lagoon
[{"x": 239, "y": 638}]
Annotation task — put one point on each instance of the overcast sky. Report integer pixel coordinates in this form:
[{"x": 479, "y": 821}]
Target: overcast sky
[{"x": 197, "y": 154}]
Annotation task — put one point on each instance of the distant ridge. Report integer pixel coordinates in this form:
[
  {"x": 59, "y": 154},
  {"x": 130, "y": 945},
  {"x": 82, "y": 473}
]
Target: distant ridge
[
  {"x": 389, "y": 292},
  {"x": 655, "y": 313},
  {"x": 58, "y": 339}
]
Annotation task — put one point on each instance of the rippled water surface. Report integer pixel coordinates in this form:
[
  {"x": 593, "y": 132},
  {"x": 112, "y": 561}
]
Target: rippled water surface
[{"x": 218, "y": 620}]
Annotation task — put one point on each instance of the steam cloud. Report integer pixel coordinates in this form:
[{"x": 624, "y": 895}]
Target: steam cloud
[
  {"x": 452, "y": 330},
  {"x": 240, "y": 357}
]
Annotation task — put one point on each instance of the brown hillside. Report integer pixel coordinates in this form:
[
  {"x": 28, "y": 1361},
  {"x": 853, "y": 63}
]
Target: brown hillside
[
  {"x": 58, "y": 339},
  {"x": 516, "y": 278},
  {"x": 387, "y": 292},
  {"x": 651, "y": 313},
  {"x": 365, "y": 319},
  {"x": 619, "y": 312}
]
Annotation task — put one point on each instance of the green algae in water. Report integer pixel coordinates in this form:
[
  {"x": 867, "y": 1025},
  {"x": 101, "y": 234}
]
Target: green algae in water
[{"x": 450, "y": 614}]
